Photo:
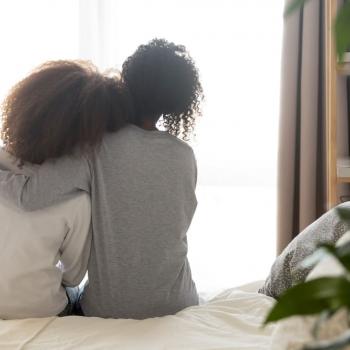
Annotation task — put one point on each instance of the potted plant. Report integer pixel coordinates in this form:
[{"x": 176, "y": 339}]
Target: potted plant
[
  {"x": 327, "y": 295},
  {"x": 323, "y": 296},
  {"x": 341, "y": 26}
]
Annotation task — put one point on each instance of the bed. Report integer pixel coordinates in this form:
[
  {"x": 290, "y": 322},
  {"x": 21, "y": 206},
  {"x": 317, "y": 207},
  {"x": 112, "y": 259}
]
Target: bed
[{"x": 231, "y": 320}]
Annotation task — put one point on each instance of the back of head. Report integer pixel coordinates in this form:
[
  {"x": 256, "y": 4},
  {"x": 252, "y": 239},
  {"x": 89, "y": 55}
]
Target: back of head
[
  {"x": 61, "y": 106},
  {"x": 163, "y": 82}
]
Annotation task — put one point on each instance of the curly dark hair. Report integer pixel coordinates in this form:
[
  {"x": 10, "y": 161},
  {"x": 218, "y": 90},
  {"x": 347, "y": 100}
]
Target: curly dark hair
[
  {"x": 164, "y": 83},
  {"x": 59, "y": 107}
]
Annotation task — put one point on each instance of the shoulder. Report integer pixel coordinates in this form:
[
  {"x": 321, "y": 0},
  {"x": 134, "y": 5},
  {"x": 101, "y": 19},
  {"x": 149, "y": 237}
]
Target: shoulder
[
  {"x": 182, "y": 147},
  {"x": 8, "y": 162},
  {"x": 180, "y": 143},
  {"x": 185, "y": 151},
  {"x": 184, "y": 156},
  {"x": 131, "y": 133}
]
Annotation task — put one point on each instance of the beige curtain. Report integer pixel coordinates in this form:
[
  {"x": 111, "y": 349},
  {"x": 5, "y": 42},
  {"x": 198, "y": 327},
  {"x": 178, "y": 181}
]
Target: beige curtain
[{"x": 301, "y": 168}]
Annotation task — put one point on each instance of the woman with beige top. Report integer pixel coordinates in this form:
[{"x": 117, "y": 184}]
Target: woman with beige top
[{"x": 48, "y": 115}]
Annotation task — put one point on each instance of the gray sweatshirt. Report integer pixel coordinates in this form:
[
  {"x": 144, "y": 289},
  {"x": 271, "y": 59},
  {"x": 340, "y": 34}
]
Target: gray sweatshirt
[{"x": 142, "y": 186}]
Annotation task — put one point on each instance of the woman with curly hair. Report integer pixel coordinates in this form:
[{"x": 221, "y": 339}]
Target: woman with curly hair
[
  {"x": 164, "y": 84},
  {"x": 48, "y": 115},
  {"x": 142, "y": 186}
]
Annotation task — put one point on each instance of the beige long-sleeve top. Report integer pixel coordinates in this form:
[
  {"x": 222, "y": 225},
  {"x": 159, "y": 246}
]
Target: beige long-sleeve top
[{"x": 41, "y": 252}]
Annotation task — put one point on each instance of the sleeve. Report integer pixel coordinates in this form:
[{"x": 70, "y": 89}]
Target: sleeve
[
  {"x": 52, "y": 182},
  {"x": 7, "y": 162},
  {"x": 75, "y": 249}
]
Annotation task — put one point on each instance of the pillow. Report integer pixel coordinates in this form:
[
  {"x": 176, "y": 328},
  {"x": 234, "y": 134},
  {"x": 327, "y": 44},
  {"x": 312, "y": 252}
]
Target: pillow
[
  {"x": 287, "y": 270},
  {"x": 283, "y": 336}
]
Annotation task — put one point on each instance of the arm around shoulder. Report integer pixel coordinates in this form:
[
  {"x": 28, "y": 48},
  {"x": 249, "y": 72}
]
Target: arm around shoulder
[{"x": 50, "y": 183}]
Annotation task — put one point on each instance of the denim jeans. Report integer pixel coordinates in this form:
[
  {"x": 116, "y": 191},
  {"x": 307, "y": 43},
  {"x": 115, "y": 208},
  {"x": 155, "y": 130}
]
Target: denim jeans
[{"x": 74, "y": 294}]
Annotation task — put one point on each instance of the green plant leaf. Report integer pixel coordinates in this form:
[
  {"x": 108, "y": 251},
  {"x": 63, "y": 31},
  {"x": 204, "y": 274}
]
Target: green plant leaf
[
  {"x": 312, "y": 297},
  {"x": 344, "y": 213},
  {"x": 342, "y": 30},
  {"x": 293, "y": 6},
  {"x": 341, "y": 253},
  {"x": 314, "y": 258}
]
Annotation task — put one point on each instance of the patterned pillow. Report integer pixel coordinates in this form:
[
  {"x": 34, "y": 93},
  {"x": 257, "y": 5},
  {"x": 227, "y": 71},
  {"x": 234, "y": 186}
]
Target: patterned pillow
[{"x": 286, "y": 270}]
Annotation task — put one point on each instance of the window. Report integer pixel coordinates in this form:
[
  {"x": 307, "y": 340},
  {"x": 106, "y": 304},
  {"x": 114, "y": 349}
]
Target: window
[
  {"x": 236, "y": 45},
  {"x": 32, "y": 32}
]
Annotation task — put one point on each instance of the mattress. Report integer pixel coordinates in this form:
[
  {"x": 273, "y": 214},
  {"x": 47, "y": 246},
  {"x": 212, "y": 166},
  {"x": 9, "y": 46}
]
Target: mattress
[{"x": 231, "y": 320}]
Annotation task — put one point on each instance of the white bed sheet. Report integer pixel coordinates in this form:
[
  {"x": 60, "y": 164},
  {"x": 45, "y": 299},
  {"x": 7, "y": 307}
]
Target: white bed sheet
[{"x": 232, "y": 320}]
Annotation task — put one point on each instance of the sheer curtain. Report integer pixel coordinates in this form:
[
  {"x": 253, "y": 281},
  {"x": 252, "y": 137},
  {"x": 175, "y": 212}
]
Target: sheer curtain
[
  {"x": 32, "y": 32},
  {"x": 35, "y": 31},
  {"x": 236, "y": 45}
]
